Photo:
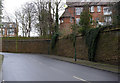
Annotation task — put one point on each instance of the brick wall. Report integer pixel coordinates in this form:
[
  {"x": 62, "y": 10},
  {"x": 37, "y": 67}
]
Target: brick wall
[
  {"x": 107, "y": 48},
  {"x": 25, "y": 46},
  {"x": 0, "y": 44}
]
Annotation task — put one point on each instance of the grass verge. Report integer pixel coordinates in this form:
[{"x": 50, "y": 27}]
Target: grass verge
[{"x": 1, "y": 60}]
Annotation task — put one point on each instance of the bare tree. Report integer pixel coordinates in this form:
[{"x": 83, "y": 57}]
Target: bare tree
[
  {"x": 43, "y": 17},
  {"x": 39, "y": 13},
  {"x": 26, "y": 17},
  {"x": 29, "y": 11},
  {"x": 38, "y": 5},
  {"x": 20, "y": 16},
  {"x": 57, "y": 6},
  {"x": 1, "y": 6}
]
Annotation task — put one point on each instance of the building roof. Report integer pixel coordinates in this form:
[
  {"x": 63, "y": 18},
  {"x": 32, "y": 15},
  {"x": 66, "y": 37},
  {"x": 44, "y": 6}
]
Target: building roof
[
  {"x": 66, "y": 14},
  {"x": 70, "y": 4}
]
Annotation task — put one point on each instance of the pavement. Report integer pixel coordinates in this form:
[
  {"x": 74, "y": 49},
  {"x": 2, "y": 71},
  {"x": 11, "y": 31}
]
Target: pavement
[
  {"x": 1, "y": 61},
  {"x": 39, "y": 67},
  {"x": 97, "y": 65}
]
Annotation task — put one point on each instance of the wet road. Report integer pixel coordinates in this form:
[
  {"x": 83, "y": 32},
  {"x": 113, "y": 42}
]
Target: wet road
[{"x": 35, "y": 67}]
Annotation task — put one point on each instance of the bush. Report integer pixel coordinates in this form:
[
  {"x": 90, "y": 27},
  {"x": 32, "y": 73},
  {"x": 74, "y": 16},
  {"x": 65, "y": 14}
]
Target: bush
[{"x": 83, "y": 31}]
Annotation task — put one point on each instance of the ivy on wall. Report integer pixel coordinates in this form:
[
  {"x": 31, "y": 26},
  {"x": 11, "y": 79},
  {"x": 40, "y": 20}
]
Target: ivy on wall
[
  {"x": 54, "y": 40},
  {"x": 91, "y": 41}
]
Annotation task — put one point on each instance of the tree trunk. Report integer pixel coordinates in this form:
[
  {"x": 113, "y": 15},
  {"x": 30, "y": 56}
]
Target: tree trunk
[{"x": 57, "y": 18}]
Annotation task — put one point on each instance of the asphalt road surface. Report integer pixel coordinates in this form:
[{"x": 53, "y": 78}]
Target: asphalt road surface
[{"x": 35, "y": 67}]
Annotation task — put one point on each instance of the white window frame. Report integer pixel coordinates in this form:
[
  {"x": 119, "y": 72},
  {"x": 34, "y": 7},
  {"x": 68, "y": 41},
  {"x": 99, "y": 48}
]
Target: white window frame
[
  {"x": 92, "y": 9},
  {"x": 98, "y": 8}
]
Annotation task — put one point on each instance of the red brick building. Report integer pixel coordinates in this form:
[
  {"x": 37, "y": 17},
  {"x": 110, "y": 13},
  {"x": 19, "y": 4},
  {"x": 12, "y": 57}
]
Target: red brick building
[
  {"x": 100, "y": 12},
  {"x": 8, "y": 29}
]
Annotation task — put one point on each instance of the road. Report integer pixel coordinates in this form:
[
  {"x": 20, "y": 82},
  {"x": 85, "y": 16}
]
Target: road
[{"x": 35, "y": 67}]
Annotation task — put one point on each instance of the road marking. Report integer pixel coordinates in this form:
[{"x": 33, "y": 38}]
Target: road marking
[{"x": 79, "y": 78}]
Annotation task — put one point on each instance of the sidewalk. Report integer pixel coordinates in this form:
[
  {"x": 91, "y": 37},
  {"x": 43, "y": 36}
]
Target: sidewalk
[
  {"x": 101, "y": 66},
  {"x": 1, "y": 61}
]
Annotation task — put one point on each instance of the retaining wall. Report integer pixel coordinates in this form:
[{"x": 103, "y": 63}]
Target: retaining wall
[{"x": 106, "y": 52}]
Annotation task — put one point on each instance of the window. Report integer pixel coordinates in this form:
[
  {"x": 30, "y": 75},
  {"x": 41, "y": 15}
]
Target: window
[
  {"x": 3, "y": 31},
  {"x": 4, "y": 26},
  {"x": 108, "y": 19},
  {"x": 98, "y": 8},
  {"x": 62, "y": 20},
  {"x": 71, "y": 20},
  {"x": 77, "y": 21},
  {"x": 78, "y": 10},
  {"x": 10, "y": 31},
  {"x": 97, "y": 19},
  {"x": 107, "y": 11},
  {"x": 10, "y": 25},
  {"x": 92, "y": 9},
  {"x": 15, "y": 26},
  {"x": 0, "y": 32}
]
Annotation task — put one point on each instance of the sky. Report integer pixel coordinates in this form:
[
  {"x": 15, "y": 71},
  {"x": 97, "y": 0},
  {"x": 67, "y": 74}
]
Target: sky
[{"x": 10, "y": 6}]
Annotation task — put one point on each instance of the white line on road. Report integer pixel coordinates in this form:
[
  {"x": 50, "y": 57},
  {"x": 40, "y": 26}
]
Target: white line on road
[{"x": 79, "y": 78}]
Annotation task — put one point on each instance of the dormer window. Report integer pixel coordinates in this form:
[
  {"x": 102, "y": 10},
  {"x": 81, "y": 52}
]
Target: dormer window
[{"x": 92, "y": 9}]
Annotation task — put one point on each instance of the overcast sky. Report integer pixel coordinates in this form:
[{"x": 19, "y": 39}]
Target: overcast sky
[{"x": 11, "y": 5}]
